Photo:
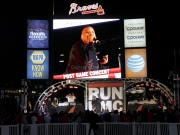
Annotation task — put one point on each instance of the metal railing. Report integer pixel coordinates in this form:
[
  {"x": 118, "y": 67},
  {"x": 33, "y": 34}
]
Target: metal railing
[{"x": 83, "y": 129}]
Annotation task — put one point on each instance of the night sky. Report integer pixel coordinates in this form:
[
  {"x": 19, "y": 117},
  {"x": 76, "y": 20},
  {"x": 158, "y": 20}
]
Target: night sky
[{"x": 161, "y": 32}]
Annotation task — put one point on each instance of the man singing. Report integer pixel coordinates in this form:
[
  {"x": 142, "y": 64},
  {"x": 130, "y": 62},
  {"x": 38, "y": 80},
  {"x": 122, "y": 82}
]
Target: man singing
[{"x": 83, "y": 53}]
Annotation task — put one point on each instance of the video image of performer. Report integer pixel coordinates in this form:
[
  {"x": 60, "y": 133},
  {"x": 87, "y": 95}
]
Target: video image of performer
[
  {"x": 83, "y": 53},
  {"x": 89, "y": 47}
]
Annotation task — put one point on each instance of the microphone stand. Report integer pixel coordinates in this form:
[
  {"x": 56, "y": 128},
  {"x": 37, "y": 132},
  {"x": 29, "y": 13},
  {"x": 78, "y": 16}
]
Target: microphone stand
[{"x": 97, "y": 42}]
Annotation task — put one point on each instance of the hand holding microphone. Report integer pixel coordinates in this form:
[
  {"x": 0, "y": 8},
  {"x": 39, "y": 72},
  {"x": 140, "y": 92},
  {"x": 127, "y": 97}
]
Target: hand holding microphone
[
  {"x": 104, "y": 59},
  {"x": 96, "y": 41}
]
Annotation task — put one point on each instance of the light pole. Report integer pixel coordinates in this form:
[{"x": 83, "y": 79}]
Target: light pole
[
  {"x": 176, "y": 87},
  {"x": 24, "y": 94},
  {"x": 53, "y": 7}
]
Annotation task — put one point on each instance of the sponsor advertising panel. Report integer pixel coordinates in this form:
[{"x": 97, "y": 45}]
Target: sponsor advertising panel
[
  {"x": 37, "y": 64},
  {"x": 37, "y": 33},
  {"x": 134, "y": 33},
  {"x": 106, "y": 96},
  {"x": 135, "y": 63}
]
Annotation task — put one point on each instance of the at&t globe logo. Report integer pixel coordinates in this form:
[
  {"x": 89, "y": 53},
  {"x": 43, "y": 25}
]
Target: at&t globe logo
[{"x": 135, "y": 63}]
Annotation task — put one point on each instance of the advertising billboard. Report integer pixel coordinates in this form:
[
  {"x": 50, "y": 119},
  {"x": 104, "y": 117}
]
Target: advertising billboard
[
  {"x": 134, "y": 33},
  {"x": 86, "y": 48},
  {"x": 37, "y": 64},
  {"x": 86, "y": 9},
  {"x": 106, "y": 96},
  {"x": 37, "y": 33},
  {"x": 135, "y": 63},
  {"x": 77, "y": 8}
]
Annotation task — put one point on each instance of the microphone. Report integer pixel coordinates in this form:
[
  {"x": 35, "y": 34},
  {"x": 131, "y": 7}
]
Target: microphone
[{"x": 96, "y": 41}]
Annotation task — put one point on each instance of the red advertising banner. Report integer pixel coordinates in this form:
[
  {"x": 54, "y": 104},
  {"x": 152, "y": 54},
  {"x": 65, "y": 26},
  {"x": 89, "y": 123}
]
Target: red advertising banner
[{"x": 106, "y": 73}]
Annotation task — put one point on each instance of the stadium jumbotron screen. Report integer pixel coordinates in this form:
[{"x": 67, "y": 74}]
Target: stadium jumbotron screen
[{"x": 86, "y": 48}]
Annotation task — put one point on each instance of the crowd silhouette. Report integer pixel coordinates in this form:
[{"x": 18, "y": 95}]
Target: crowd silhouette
[{"x": 159, "y": 114}]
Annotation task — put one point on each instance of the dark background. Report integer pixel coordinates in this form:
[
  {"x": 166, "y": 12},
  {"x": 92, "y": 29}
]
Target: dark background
[{"x": 161, "y": 30}]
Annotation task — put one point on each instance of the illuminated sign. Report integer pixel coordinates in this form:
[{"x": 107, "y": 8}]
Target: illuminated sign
[
  {"x": 66, "y": 35},
  {"x": 38, "y": 64},
  {"x": 134, "y": 28},
  {"x": 38, "y": 34},
  {"x": 110, "y": 95},
  {"x": 106, "y": 73},
  {"x": 38, "y": 57},
  {"x": 94, "y": 8},
  {"x": 134, "y": 33},
  {"x": 135, "y": 63}
]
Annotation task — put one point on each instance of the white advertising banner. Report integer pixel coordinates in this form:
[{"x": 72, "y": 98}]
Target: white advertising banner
[
  {"x": 106, "y": 96},
  {"x": 134, "y": 33}
]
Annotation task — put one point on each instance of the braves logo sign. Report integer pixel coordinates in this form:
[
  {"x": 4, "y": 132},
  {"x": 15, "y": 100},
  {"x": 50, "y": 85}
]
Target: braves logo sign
[{"x": 94, "y": 8}]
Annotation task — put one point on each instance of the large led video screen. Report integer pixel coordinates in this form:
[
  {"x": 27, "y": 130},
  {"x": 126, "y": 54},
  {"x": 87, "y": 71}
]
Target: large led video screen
[
  {"x": 86, "y": 48},
  {"x": 37, "y": 33},
  {"x": 135, "y": 63},
  {"x": 134, "y": 33},
  {"x": 37, "y": 64}
]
